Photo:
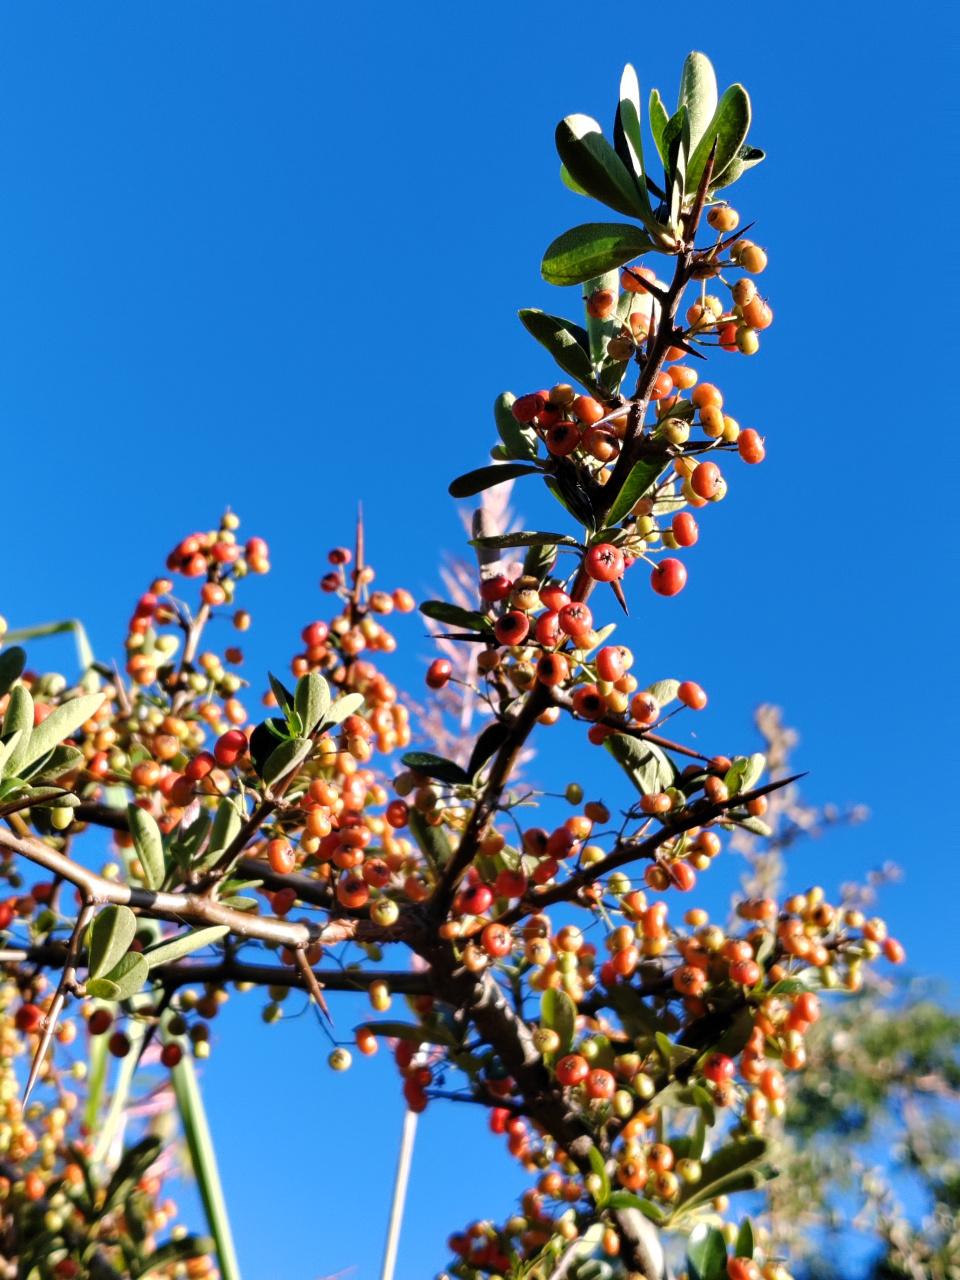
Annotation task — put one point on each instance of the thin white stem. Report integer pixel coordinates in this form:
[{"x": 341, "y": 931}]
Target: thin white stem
[{"x": 399, "y": 1195}]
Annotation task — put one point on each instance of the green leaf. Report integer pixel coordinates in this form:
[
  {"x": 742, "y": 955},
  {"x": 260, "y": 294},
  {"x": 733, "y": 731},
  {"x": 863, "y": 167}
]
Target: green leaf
[
  {"x": 226, "y": 827},
  {"x": 126, "y": 977},
  {"x": 284, "y": 759},
  {"x": 84, "y": 652},
  {"x": 282, "y": 694},
  {"x": 708, "y": 1112},
  {"x": 676, "y": 140},
  {"x": 598, "y": 1165},
  {"x": 345, "y": 706},
  {"x": 204, "y": 1161},
  {"x": 134, "y": 1163},
  {"x": 738, "y": 1163},
  {"x": 7, "y": 750},
  {"x": 746, "y": 1245},
  {"x": 102, "y": 989},
  {"x": 189, "y": 839},
  {"x": 60, "y": 723},
  {"x": 433, "y": 841},
  {"x": 149, "y": 845},
  {"x": 558, "y": 1013},
  {"x": 452, "y": 615},
  {"x": 177, "y": 1251},
  {"x": 434, "y": 766},
  {"x": 488, "y": 743},
  {"x": 519, "y": 439},
  {"x": 729, "y": 125},
  {"x": 527, "y": 539},
  {"x": 111, "y": 933},
  {"x": 311, "y": 700},
  {"x": 698, "y": 1138},
  {"x": 659, "y": 115},
  {"x": 706, "y": 1253},
  {"x": 568, "y": 181},
  {"x": 745, "y": 159},
  {"x": 650, "y": 1210},
  {"x": 649, "y": 769},
  {"x": 591, "y": 249},
  {"x": 596, "y": 167},
  {"x": 674, "y": 1055},
  {"x": 12, "y": 662},
  {"x": 173, "y": 948},
  {"x": 63, "y": 759},
  {"x": 698, "y": 93},
  {"x": 638, "y": 1018},
  {"x": 466, "y": 486},
  {"x": 566, "y": 342},
  {"x": 664, "y": 691},
  {"x": 18, "y": 715},
  {"x": 643, "y": 476},
  {"x": 572, "y": 497},
  {"x": 539, "y": 561},
  {"x": 756, "y": 825},
  {"x": 627, "y": 133}
]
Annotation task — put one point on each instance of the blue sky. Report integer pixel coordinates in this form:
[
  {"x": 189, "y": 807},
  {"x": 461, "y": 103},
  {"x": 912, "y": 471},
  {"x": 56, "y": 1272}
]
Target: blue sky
[{"x": 271, "y": 256}]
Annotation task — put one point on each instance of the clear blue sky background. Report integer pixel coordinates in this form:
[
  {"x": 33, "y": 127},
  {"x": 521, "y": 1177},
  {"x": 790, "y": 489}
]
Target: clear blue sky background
[{"x": 271, "y": 256}]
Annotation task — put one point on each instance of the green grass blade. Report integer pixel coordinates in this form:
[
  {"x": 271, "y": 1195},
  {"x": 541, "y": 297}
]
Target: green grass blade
[
  {"x": 84, "y": 651},
  {"x": 97, "y": 1061},
  {"x": 204, "y": 1160}
]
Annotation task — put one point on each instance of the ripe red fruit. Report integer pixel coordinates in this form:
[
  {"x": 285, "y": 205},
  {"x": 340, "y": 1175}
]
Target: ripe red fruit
[
  {"x": 552, "y": 669},
  {"x": 604, "y": 562},
  {"x": 575, "y": 619},
  {"x": 496, "y": 940},
  {"x": 512, "y": 628},
  {"x": 630, "y": 283},
  {"x": 170, "y": 1055},
  {"x": 685, "y": 529},
  {"x": 742, "y": 1269},
  {"x": 495, "y": 588},
  {"x": 692, "y": 696},
  {"x": 477, "y": 899},
  {"x": 229, "y": 747},
  {"x": 718, "y": 1068},
  {"x": 750, "y": 446},
  {"x": 281, "y": 857},
  {"x": 705, "y": 480},
  {"x": 644, "y": 708},
  {"x": 546, "y": 629},
  {"x": 807, "y": 1007},
  {"x": 528, "y": 407},
  {"x": 600, "y": 1084},
  {"x": 610, "y": 663},
  {"x": 745, "y": 973},
  {"x": 315, "y": 633},
  {"x": 662, "y": 386},
  {"x": 438, "y": 673},
  {"x": 553, "y": 596},
  {"x": 100, "y": 1021},
  {"x": 199, "y": 766},
  {"x": 683, "y": 876},
  {"x": 668, "y": 577},
  {"x": 588, "y": 703},
  {"x": 397, "y": 814},
  {"x": 28, "y": 1018},
  {"x": 562, "y": 438},
  {"x": 511, "y": 884},
  {"x": 498, "y": 1120},
  {"x": 601, "y": 303},
  {"x": 572, "y": 1069}
]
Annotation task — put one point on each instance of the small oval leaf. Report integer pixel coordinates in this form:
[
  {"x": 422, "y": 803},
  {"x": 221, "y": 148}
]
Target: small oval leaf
[
  {"x": 110, "y": 936},
  {"x": 149, "y": 845}
]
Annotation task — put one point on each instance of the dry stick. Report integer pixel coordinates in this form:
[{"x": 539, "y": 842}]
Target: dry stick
[
  {"x": 632, "y": 851},
  {"x": 188, "y": 907},
  {"x": 66, "y": 980},
  {"x": 311, "y": 981}
]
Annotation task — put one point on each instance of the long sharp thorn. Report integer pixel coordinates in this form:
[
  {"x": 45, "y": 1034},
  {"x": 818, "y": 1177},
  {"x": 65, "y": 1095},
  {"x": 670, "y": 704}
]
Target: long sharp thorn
[
  {"x": 618, "y": 592},
  {"x": 49, "y": 1027},
  {"x": 313, "y": 986}
]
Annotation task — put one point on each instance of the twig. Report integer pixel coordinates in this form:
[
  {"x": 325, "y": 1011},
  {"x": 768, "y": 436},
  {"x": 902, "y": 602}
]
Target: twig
[{"x": 66, "y": 981}]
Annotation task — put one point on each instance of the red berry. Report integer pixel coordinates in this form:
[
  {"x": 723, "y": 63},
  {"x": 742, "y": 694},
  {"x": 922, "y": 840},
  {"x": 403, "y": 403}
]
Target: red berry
[
  {"x": 692, "y": 696},
  {"x": 668, "y": 577},
  {"x": 511, "y": 884},
  {"x": 477, "y": 899},
  {"x": 546, "y": 629},
  {"x": 397, "y": 814},
  {"x": 562, "y": 438},
  {"x": 750, "y": 446},
  {"x": 604, "y": 562},
  {"x": 439, "y": 673},
  {"x": 553, "y": 596},
  {"x": 496, "y": 940},
  {"x": 705, "y": 480},
  {"x": 610, "y": 663},
  {"x": 552, "y": 669},
  {"x": 528, "y": 407},
  {"x": 28, "y": 1018},
  {"x": 281, "y": 857},
  {"x": 685, "y": 529},
  {"x": 512, "y": 628},
  {"x": 170, "y": 1055},
  {"x": 575, "y": 619},
  {"x": 496, "y": 588},
  {"x": 572, "y": 1069},
  {"x": 229, "y": 747},
  {"x": 588, "y": 703},
  {"x": 600, "y": 1084},
  {"x": 718, "y": 1068},
  {"x": 745, "y": 973},
  {"x": 315, "y": 633}
]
